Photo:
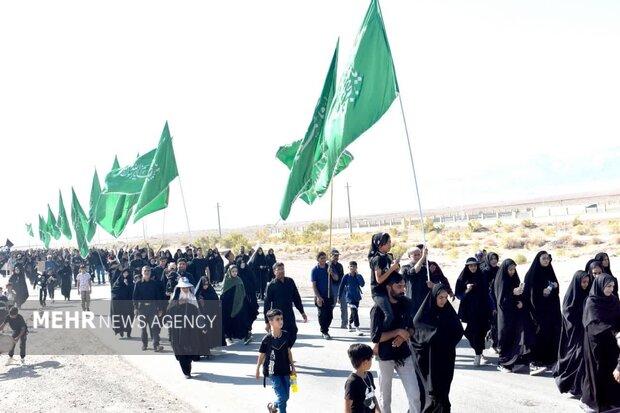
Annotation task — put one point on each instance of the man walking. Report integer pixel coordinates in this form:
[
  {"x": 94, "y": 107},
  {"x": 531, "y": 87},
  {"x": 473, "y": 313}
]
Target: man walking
[
  {"x": 323, "y": 297},
  {"x": 282, "y": 294},
  {"x": 336, "y": 272},
  {"x": 84, "y": 287},
  {"x": 147, "y": 301}
]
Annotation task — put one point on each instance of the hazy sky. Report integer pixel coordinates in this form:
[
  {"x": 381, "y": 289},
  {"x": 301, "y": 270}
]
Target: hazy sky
[{"x": 504, "y": 100}]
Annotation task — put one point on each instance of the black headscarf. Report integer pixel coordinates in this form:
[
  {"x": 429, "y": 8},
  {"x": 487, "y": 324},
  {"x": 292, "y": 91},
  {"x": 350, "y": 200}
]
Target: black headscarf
[
  {"x": 378, "y": 239},
  {"x": 430, "y": 317},
  {"x": 536, "y": 279},
  {"x": 599, "y": 257},
  {"x": 574, "y": 299},
  {"x": 592, "y": 264},
  {"x": 602, "y": 309}
]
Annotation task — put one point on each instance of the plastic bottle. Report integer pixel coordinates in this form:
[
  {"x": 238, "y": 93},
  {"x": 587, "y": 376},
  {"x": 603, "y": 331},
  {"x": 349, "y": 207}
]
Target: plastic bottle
[{"x": 294, "y": 387}]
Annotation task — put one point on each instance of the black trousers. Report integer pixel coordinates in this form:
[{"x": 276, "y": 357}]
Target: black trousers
[
  {"x": 148, "y": 315},
  {"x": 22, "y": 347},
  {"x": 383, "y": 302},
  {"x": 186, "y": 364},
  {"x": 354, "y": 318},
  {"x": 326, "y": 314},
  {"x": 42, "y": 295}
]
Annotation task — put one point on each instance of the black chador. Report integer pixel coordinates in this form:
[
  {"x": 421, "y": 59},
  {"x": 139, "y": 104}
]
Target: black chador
[
  {"x": 475, "y": 308},
  {"x": 121, "y": 305}
]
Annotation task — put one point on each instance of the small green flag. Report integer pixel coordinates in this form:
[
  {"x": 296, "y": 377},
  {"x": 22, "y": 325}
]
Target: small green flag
[
  {"x": 29, "y": 230},
  {"x": 310, "y": 149},
  {"x": 162, "y": 171},
  {"x": 80, "y": 224},
  {"x": 43, "y": 235},
  {"x": 130, "y": 179},
  {"x": 63, "y": 221},
  {"x": 365, "y": 92},
  {"x": 95, "y": 193},
  {"x": 52, "y": 226}
]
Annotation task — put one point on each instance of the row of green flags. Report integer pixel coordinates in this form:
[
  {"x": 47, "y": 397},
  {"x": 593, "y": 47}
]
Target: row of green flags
[
  {"x": 345, "y": 110},
  {"x": 130, "y": 193}
]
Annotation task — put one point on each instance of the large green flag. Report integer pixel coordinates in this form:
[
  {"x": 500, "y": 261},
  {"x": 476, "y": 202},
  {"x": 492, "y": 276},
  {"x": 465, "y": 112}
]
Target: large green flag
[
  {"x": 80, "y": 224},
  {"x": 52, "y": 226},
  {"x": 163, "y": 169},
  {"x": 95, "y": 193},
  {"x": 29, "y": 230},
  {"x": 308, "y": 194},
  {"x": 310, "y": 148},
  {"x": 114, "y": 210},
  {"x": 43, "y": 235},
  {"x": 365, "y": 92},
  {"x": 63, "y": 221},
  {"x": 130, "y": 179}
]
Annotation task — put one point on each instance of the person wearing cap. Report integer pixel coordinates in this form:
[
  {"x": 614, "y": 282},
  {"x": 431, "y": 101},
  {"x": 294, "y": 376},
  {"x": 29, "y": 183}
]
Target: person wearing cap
[
  {"x": 185, "y": 329},
  {"x": 147, "y": 299},
  {"x": 281, "y": 293},
  {"x": 394, "y": 353},
  {"x": 472, "y": 289},
  {"x": 336, "y": 271}
]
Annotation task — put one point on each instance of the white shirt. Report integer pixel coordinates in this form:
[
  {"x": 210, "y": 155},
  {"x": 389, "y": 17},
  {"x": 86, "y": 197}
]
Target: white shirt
[{"x": 83, "y": 280}]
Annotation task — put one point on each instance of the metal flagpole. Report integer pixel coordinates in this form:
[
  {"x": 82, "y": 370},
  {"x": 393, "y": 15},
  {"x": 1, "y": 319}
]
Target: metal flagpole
[
  {"x": 163, "y": 228},
  {"x": 185, "y": 208},
  {"x": 349, "y": 203},
  {"x": 331, "y": 212},
  {"x": 219, "y": 224},
  {"x": 415, "y": 180}
]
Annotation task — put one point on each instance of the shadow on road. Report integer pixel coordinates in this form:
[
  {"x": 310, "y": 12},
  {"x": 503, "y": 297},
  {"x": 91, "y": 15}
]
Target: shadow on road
[{"x": 29, "y": 371}]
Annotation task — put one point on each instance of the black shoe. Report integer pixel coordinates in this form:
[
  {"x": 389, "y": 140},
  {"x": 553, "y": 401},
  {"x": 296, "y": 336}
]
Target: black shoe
[
  {"x": 158, "y": 348},
  {"x": 144, "y": 347}
]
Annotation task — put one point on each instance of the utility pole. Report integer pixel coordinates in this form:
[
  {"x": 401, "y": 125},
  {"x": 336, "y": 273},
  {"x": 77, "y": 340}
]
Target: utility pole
[
  {"x": 219, "y": 225},
  {"x": 349, "y": 203}
]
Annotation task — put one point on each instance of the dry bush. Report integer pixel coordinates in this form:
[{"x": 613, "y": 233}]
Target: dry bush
[
  {"x": 562, "y": 241},
  {"x": 436, "y": 243},
  {"x": 512, "y": 243},
  {"x": 578, "y": 243},
  {"x": 453, "y": 235},
  {"x": 536, "y": 241},
  {"x": 560, "y": 252},
  {"x": 596, "y": 241},
  {"x": 490, "y": 242},
  {"x": 476, "y": 226},
  {"x": 453, "y": 253},
  {"x": 550, "y": 231},
  {"x": 398, "y": 249},
  {"x": 520, "y": 259},
  {"x": 614, "y": 226},
  {"x": 528, "y": 223},
  {"x": 585, "y": 230},
  {"x": 577, "y": 222},
  {"x": 234, "y": 240}
]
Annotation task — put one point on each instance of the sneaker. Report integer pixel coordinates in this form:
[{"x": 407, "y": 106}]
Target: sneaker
[
  {"x": 477, "y": 361},
  {"x": 9, "y": 361},
  {"x": 188, "y": 376},
  {"x": 326, "y": 336},
  {"x": 271, "y": 408},
  {"x": 503, "y": 369},
  {"x": 536, "y": 370},
  {"x": 229, "y": 342},
  {"x": 158, "y": 349},
  {"x": 144, "y": 347},
  {"x": 248, "y": 339},
  {"x": 359, "y": 332},
  {"x": 351, "y": 329}
]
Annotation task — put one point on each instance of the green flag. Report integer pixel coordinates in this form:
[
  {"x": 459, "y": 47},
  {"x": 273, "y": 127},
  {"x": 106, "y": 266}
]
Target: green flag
[
  {"x": 365, "y": 92},
  {"x": 162, "y": 171},
  {"x": 287, "y": 153},
  {"x": 29, "y": 230},
  {"x": 43, "y": 235},
  {"x": 52, "y": 226},
  {"x": 80, "y": 224},
  {"x": 130, "y": 179},
  {"x": 63, "y": 221},
  {"x": 114, "y": 210},
  {"x": 310, "y": 149},
  {"x": 95, "y": 192}
]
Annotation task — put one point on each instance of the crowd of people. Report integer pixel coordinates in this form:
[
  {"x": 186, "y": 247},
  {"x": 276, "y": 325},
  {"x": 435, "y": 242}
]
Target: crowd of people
[{"x": 414, "y": 328}]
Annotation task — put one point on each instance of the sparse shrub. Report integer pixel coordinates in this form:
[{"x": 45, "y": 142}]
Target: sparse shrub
[
  {"x": 577, "y": 221},
  {"x": 536, "y": 242},
  {"x": 550, "y": 231},
  {"x": 313, "y": 233},
  {"x": 512, "y": 243},
  {"x": 490, "y": 242},
  {"x": 234, "y": 240},
  {"x": 398, "y": 249},
  {"x": 577, "y": 243},
  {"x": 476, "y": 226},
  {"x": 520, "y": 259},
  {"x": 453, "y": 253},
  {"x": 582, "y": 230},
  {"x": 528, "y": 223},
  {"x": 453, "y": 235},
  {"x": 614, "y": 226},
  {"x": 262, "y": 235},
  {"x": 596, "y": 241},
  {"x": 208, "y": 241}
]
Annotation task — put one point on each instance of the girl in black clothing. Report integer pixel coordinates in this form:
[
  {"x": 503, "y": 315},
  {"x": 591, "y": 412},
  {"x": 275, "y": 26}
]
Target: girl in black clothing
[
  {"x": 489, "y": 268},
  {"x": 543, "y": 302},
  {"x": 437, "y": 332},
  {"x": 381, "y": 267},
  {"x": 472, "y": 289}
]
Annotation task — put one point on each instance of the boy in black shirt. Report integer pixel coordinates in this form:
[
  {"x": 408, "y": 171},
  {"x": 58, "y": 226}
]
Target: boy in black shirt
[
  {"x": 277, "y": 361},
  {"x": 359, "y": 390},
  {"x": 20, "y": 332}
]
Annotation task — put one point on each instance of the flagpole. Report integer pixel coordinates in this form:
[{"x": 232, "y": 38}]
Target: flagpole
[
  {"x": 331, "y": 212},
  {"x": 163, "y": 228},
  {"x": 415, "y": 180},
  {"x": 185, "y": 209}
]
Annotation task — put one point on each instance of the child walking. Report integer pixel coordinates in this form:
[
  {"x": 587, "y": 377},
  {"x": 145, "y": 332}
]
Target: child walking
[
  {"x": 351, "y": 286},
  {"x": 381, "y": 268},
  {"x": 276, "y": 360},
  {"x": 20, "y": 332},
  {"x": 359, "y": 390}
]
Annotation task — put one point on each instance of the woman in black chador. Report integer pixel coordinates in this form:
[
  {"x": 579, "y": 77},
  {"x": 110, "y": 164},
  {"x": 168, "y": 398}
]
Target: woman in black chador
[
  {"x": 121, "y": 305},
  {"x": 568, "y": 371},
  {"x": 437, "y": 332},
  {"x": 208, "y": 300},
  {"x": 512, "y": 318},
  {"x": 271, "y": 260},
  {"x": 18, "y": 279},
  {"x": 258, "y": 265},
  {"x": 489, "y": 268},
  {"x": 601, "y": 321},
  {"x": 543, "y": 302},
  {"x": 472, "y": 289},
  {"x": 64, "y": 277},
  {"x": 236, "y": 308}
]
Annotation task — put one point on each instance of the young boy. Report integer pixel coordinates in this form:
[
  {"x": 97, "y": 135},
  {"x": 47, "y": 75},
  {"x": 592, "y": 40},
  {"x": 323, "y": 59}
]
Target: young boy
[
  {"x": 84, "y": 286},
  {"x": 359, "y": 390},
  {"x": 277, "y": 360},
  {"x": 20, "y": 332},
  {"x": 351, "y": 286}
]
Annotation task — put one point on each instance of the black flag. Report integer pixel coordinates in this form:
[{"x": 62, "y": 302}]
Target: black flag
[{"x": 8, "y": 244}]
